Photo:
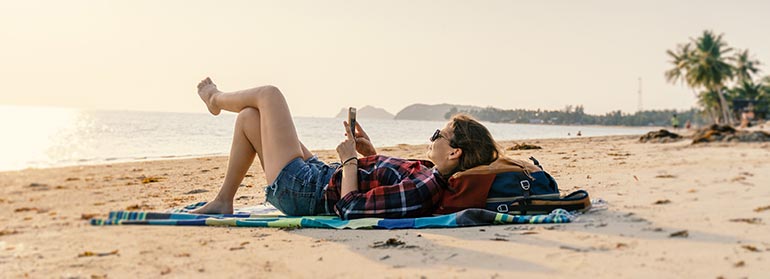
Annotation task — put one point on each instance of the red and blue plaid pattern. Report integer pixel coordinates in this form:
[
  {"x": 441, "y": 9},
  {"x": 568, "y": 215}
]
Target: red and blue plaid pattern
[{"x": 388, "y": 187}]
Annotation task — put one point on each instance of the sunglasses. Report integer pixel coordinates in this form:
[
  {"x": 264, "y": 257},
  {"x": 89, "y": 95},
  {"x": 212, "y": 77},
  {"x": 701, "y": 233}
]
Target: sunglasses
[{"x": 437, "y": 134}]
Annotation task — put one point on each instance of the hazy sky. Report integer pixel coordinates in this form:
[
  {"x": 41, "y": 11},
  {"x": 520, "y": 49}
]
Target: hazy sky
[{"x": 325, "y": 55}]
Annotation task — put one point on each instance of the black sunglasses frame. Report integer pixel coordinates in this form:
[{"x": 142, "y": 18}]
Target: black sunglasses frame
[{"x": 437, "y": 134}]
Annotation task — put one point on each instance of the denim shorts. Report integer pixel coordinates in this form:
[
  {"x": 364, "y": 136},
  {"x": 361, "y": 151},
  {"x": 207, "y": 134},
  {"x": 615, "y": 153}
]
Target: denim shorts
[{"x": 299, "y": 187}]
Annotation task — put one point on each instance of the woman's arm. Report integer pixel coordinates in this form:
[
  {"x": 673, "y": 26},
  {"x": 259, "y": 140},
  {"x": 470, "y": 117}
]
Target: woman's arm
[
  {"x": 347, "y": 152},
  {"x": 349, "y": 177}
]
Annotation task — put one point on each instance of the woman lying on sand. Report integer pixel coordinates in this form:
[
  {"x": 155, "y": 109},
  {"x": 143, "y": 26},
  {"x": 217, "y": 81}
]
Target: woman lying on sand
[{"x": 372, "y": 186}]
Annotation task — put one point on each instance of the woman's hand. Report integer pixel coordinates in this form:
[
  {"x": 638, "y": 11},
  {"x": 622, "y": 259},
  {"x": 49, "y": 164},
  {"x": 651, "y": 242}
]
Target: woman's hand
[
  {"x": 347, "y": 148},
  {"x": 363, "y": 143}
]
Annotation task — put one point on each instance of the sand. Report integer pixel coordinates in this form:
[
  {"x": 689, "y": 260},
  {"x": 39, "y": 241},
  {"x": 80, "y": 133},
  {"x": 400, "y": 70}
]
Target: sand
[{"x": 674, "y": 210}]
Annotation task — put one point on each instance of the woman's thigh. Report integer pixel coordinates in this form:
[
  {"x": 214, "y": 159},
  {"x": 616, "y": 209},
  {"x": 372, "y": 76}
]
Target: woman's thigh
[{"x": 280, "y": 144}]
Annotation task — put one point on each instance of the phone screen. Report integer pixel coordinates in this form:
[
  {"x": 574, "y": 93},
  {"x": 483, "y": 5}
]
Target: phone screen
[{"x": 352, "y": 120}]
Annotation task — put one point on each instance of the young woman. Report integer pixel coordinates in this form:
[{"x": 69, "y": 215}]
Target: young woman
[{"x": 371, "y": 186}]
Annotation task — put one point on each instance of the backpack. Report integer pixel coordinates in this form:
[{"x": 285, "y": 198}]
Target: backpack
[{"x": 508, "y": 186}]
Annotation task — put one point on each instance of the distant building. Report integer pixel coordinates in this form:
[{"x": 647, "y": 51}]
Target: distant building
[{"x": 536, "y": 121}]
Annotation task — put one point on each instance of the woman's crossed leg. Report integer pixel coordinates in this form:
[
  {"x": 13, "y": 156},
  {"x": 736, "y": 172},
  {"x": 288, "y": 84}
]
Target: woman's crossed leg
[{"x": 264, "y": 128}]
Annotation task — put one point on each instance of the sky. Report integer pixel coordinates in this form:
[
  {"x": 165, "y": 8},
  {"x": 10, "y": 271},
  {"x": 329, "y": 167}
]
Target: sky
[{"x": 326, "y": 55}]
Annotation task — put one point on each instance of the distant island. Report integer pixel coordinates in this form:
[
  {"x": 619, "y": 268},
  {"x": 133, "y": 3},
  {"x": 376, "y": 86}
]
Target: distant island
[
  {"x": 367, "y": 112},
  {"x": 430, "y": 112},
  {"x": 570, "y": 115}
]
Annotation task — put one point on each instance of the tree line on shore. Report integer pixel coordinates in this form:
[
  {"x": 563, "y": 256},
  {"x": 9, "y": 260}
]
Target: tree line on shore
[{"x": 575, "y": 115}]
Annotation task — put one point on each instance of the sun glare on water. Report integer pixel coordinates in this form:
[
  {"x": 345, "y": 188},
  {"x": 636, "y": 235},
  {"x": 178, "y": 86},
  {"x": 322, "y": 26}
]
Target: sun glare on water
[{"x": 34, "y": 136}]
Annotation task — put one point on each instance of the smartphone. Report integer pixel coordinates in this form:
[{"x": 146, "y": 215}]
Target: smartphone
[{"x": 352, "y": 120}]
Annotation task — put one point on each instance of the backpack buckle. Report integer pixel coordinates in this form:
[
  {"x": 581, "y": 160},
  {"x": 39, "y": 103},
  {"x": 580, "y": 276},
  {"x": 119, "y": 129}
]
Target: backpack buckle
[
  {"x": 502, "y": 208},
  {"x": 525, "y": 185}
]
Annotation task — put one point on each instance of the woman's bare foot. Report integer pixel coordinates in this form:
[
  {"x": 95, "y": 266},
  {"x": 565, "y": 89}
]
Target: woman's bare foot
[
  {"x": 215, "y": 207},
  {"x": 207, "y": 90}
]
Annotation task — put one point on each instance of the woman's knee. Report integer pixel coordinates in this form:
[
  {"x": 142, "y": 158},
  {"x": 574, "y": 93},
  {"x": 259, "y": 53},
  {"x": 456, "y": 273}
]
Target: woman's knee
[
  {"x": 248, "y": 114},
  {"x": 271, "y": 94}
]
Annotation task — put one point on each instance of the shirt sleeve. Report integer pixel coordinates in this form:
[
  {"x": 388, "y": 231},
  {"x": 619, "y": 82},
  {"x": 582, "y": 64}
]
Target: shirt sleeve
[{"x": 412, "y": 197}]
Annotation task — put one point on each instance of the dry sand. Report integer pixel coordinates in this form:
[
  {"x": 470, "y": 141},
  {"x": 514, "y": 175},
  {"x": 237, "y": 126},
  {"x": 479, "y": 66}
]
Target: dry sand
[{"x": 674, "y": 211}]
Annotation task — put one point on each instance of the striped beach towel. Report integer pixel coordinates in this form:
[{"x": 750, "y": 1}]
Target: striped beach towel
[{"x": 268, "y": 216}]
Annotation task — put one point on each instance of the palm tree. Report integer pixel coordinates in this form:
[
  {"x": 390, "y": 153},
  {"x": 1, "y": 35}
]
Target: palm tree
[
  {"x": 702, "y": 63},
  {"x": 747, "y": 90},
  {"x": 745, "y": 66},
  {"x": 682, "y": 60}
]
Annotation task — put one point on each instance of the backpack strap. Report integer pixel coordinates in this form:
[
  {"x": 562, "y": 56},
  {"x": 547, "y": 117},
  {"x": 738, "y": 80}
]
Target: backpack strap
[
  {"x": 525, "y": 186},
  {"x": 537, "y": 163}
]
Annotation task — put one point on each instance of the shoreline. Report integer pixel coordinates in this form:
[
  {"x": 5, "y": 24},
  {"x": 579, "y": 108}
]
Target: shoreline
[{"x": 110, "y": 161}]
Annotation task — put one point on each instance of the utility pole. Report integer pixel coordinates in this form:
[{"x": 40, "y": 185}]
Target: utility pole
[{"x": 639, "y": 101}]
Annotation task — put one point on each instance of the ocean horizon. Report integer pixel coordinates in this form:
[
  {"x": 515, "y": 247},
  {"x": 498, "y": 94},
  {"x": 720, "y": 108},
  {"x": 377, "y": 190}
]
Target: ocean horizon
[{"x": 43, "y": 137}]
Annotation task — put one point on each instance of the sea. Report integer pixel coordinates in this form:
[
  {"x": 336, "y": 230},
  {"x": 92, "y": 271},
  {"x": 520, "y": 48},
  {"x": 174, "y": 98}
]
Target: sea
[{"x": 44, "y": 137}]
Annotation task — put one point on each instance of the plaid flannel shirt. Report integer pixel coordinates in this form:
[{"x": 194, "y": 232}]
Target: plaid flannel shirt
[{"x": 388, "y": 187}]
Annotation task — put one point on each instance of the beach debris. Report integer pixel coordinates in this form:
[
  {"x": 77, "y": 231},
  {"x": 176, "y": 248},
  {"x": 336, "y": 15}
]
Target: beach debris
[
  {"x": 88, "y": 216},
  {"x": 98, "y": 276},
  {"x": 725, "y": 133},
  {"x": 249, "y": 175},
  {"x": 95, "y": 254},
  {"x": 739, "y": 264},
  {"x": 499, "y": 239},
  {"x": 621, "y": 245},
  {"x": 165, "y": 270},
  {"x": 750, "y": 248},
  {"x": 182, "y": 255},
  {"x": 72, "y": 179},
  {"x": 8, "y": 232},
  {"x": 747, "y": 220},
  {"x": 636, "y": 178},
  {"x": 665, "y": 176},
  {"x": 196, "y": 191},
  {"x": 762, "y": 208},
  {"x": 391, "y": 243},
  {"x": 576, "y": 249},
  {"x": 151, "y": 179},
  {"x": 25, "y": 209},
  {"x": 142, "y": 206},
  {"x": 619, "y": 154},
  {"x": 237, "y": 248},
  {"x": 524, "y": 146},
  {"x": 665, "y": 201},
  {"x": 682, "y": 233},
  {"x": 661, "y": 136},
  {"x": 38, "y": 186},
  {"x": 385, "y": 257}
]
